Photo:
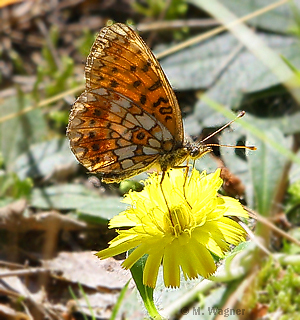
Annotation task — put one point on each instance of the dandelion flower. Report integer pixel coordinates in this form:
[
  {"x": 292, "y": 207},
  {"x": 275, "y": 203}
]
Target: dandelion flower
[{"x": 180, "y": 229}]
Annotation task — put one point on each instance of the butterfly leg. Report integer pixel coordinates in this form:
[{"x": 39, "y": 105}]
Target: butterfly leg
[
  {"x": 186, "y": 172},
  {"x": 162, "y": 190}
]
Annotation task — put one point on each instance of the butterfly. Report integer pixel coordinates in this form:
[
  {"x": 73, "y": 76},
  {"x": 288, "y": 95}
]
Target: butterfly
[{"x": 128, "y": 119}]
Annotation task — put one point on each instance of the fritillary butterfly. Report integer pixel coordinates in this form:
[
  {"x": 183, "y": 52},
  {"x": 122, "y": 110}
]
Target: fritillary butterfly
[{"x": 128, "y": 119}]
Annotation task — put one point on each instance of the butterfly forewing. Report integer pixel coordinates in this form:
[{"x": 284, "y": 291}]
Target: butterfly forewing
[
  {"x": 128, "y": 115},
  {"x": 121, "y": 61}
]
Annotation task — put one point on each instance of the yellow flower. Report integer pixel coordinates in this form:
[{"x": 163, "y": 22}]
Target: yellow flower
[{"x": 180, "y": 234}]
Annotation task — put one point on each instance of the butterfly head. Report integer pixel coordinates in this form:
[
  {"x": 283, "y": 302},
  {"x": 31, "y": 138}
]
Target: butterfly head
[{"x": 197, "y": 150}]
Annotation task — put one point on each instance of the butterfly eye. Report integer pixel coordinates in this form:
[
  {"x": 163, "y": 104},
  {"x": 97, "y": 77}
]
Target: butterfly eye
[{"x": 197, "y": 150}]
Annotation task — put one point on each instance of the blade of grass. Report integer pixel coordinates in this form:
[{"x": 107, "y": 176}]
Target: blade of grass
[
  {"x": 119, "y": 302},
  {"x": 77, "y": 302},
  {"x": 87, "y": 301}
]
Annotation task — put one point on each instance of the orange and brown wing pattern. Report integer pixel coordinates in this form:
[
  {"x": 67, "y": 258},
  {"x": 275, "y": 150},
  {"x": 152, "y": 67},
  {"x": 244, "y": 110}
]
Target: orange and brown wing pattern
[
  {"x": 128, "y": 116},
  {"x": 109, "y": 137},
  {"x": 121, "y": 61}
]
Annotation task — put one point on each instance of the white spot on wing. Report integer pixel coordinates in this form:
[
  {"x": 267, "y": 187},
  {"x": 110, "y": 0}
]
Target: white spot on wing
[
  {"x": 79, "y": 107},
  {"x": 121, "y": 130},
  {"x": 117, "y": 110},
  {"x": 148, "y": 150},
  {"x": 75, "y": 136},
  {"x": 114, "y": 135},
  {"x": 154, "y": 143},
  {"x": 128, "y": 124},
  {"x": 158, "y": 135},
  {"x": 129, "y": 117},
  {"x": 79, "y": 151},
  {"x": 127, "y": 135},
  {"x": 125, "y": 164},
  {"x": 89, "y": 97},
  {"x": 100, "y": 91},
  {"x": 75, "y": 123},
  {"x": 126, "y": 152},
  {"x": 124, "y": 102},
  {"x": 146, "y": 121},
  {"x": 123, "y": 143},
  {"x": 166, "y": 134}
]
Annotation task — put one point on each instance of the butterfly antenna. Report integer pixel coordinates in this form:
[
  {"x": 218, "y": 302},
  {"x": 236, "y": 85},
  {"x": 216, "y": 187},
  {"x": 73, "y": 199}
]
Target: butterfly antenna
[
  {"x": 240, "y": 115},
  {"x": 227, "y": 146}
]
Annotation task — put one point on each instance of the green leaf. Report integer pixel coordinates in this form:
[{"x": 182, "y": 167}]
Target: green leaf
[
  {"x": 61, "y": 77},
  {"x": 227, "y": 68},
  {"x": 287, "y": 124},
  {"x": 19, "y": 133},
  {"x": 100, "y": 210},
  {"x": 44, "y": 158},
  {"x": 198, "y": 66},
  {"x": 292, "y": 203},
  {"x": 246, "y": 74},
  {"x": 84, "y": 43},
  {"x": 87, "y": 204},
  {"x": 267, "y": 167},
  {"x": 12, "y": 186},
  {"x": 294, "y": 193},
  {"x": 236, "y": 263}
]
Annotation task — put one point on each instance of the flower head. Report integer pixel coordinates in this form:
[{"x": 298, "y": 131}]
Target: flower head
[{"x": 179, "y": 228}]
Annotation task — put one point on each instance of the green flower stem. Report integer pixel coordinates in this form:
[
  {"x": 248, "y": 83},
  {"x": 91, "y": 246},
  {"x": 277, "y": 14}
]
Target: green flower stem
[{"x": 145, "y": 291}]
